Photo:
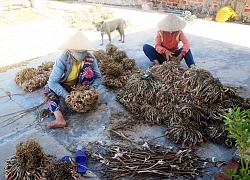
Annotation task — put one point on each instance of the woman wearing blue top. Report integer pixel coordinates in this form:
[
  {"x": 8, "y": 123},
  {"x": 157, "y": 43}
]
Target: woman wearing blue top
[{"x": 75, "y": 65}]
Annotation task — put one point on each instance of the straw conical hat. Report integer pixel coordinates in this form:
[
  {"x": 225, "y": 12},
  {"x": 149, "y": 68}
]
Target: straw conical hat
[
  {"x": 171, "y": 23},
  {"x": 78, "y": 42}
]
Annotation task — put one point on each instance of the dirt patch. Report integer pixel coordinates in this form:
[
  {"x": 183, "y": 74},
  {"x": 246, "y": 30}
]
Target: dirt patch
[
  {"x": 23, "y": 15},
  {"x": 75, "y": 18},
  {"x": 5, "y": 68}
]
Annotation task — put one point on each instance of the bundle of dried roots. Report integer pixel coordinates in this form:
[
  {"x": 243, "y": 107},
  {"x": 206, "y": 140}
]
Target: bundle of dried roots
[
  {"x": 114, "y": 65},
  {"x": 45, "y": 68},
  {"x": 31, "y": 79},
  {"x": 110, "y": 49},
  {"x": 115, "y": 82},
  {"x": 119, "y": 55},
  {"x": 25, "y": 74},
  {"x": 61, "y": 171},
  {"x": 82, "y": 101},
  {"x": 183, "y": 98},
  {"x": 113, "y": 69},
  {"x": 100, "y": 55},
  {"x": 35, "y": 82},
  {"x": 189, "y": 137},
  {"x": 28, "y": 162},
  {"x": 146, "y": 162},
  {"x": 138, "y": 95}
]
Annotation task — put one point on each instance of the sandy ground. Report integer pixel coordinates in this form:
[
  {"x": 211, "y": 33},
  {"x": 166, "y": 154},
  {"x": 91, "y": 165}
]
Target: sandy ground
[{"x": 29, "y": 33}]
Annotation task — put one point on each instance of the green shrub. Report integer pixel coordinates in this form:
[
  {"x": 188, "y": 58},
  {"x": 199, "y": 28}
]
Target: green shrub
[{"x": 238, "y": 122}]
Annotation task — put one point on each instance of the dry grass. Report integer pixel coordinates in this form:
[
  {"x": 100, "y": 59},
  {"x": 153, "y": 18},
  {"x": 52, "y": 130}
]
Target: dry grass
[
  {"x": 23, "y": 15},
  {"x": 76, "y": 18}
]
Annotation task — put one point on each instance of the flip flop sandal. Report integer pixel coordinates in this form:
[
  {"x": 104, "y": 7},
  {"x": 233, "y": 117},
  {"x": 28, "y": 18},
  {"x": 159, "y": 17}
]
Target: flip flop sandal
[
  {"x": 81, "y": 160},
  {"x": 64, "y": 159}
]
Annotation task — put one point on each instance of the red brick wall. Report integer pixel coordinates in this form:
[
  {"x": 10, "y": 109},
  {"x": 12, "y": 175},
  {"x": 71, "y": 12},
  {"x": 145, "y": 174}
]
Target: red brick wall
[
  {"x": 199, "y": 7},
  {"x": 247, "y": 6},
  {"x": 193, "y": 3}
]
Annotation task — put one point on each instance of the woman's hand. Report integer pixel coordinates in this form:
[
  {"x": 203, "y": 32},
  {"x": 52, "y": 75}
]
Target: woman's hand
[
  {"x": 168, "y": 54},
  {"x": 179, "y": 58}
]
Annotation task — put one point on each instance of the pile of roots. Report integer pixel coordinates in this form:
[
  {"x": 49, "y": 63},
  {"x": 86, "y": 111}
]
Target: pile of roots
[
  {"x": 82, "y": 99},
  {"x": 146, "y": 161},
  {"x": 83, "y": 19},
  {"x": 31, "y": 79},
  {"x": 191, "y": 102},
  {"x": 30, "y": 162},
  {"x": 115, "y": 66},
  {"x": 61, "y": 171}
]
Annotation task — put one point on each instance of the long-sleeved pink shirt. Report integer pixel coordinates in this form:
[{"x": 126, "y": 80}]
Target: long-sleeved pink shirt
[{"x": 169, "y": 41}]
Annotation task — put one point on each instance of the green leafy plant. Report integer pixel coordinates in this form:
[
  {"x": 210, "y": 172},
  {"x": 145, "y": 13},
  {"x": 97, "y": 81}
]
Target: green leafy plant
[
  {"x": 188, "y": 17},
  {"x": 238, "y": 122}
]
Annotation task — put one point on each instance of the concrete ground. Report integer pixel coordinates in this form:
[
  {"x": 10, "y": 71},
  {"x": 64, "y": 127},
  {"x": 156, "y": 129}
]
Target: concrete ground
[{"x": 221, "y": 48}]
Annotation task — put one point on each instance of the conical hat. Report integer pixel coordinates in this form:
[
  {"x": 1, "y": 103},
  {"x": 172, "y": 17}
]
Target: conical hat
[
  {"x": 78, "y": 42},
  {"x": 171, "y": 23}
]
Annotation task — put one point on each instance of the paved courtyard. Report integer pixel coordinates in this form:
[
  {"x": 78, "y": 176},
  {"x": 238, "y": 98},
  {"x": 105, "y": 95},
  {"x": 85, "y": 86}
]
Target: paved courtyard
[{"x": 215, "y": 46}]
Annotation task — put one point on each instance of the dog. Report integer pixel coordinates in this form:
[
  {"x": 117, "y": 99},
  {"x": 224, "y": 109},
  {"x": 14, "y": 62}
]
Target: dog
[{"x": 106, "y": 27}]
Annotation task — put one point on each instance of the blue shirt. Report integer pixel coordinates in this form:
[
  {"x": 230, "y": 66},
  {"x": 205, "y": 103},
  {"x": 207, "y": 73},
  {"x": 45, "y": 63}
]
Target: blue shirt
[{"x": 62, "y": 69}]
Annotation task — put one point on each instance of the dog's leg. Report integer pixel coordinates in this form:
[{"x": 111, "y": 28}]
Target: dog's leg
[
  {"x": 102, "y": 39},
  {"x": 122, "y": 36},
  {"x": 109, "y": 35}
]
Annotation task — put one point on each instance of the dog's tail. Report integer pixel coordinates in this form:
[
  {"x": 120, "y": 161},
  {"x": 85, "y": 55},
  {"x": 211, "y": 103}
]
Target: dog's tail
[{"x": 125, "y": 25}]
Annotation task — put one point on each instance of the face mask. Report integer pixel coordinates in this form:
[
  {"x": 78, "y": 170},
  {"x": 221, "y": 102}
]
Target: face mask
[{"x": 78, "y": 55}]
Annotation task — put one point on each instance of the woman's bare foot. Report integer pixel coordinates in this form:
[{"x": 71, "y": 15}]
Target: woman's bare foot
[
  {"x": 192, "y": 66},
  {"x": 156, "y": 62},
  {"x": 55, "y": 124},
  {"x": 59, "y": 122}
]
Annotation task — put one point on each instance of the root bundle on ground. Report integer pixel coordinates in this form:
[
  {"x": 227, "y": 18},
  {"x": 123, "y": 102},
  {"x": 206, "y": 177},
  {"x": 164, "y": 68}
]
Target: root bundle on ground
[
  {"x": 190, "y": 102},
  {"x": 82, "y": 100},
  {"x": 30, "y": 162},
  {"x": 31, "y": 79},
  {"x": 147, "y": 161},
  {"x": 115, "y": 66}
]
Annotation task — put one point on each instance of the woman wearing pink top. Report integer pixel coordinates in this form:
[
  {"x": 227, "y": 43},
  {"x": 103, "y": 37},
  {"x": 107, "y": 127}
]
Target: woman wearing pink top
[{"x": 167, "y": 40}]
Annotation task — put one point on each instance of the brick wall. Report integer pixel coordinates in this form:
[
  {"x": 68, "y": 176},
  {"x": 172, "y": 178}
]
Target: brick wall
[
  {"x": 116, "y": 2},
  {"x": 200, "y": 7},
  {"x": 210, "y": 5}
]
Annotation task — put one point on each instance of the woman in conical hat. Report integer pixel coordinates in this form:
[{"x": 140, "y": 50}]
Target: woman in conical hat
[
  {"x": 167, "y": 40},
  {"x": 75, "y": 65}
]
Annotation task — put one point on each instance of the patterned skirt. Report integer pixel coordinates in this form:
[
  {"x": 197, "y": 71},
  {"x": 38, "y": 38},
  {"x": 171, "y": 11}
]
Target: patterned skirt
[{"x": 86, "y": 77}]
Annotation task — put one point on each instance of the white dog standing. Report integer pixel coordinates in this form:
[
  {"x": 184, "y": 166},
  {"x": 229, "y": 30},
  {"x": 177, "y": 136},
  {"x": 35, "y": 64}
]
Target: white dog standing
[{"x": 106, "y": 27}]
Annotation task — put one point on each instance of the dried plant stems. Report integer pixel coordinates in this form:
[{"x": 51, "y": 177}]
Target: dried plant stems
[
  {"x": 137, "y": 162},
  {"x": 18, "y": 115}
]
